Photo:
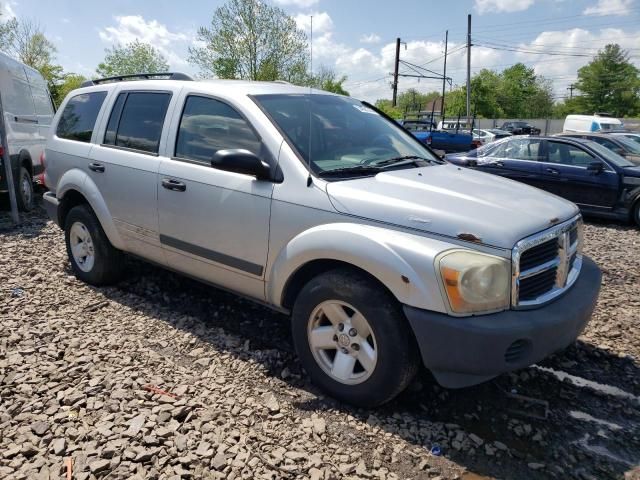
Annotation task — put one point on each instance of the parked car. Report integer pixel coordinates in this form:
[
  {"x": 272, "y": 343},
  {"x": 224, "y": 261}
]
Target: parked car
[
  {"x": 317, "y": 205},
  {"x": 455, "y": 124},
  {"x": 520, "y": 128},
  {"x": 630, "y": 135},
  {"x": 28, "y": 111},
  {"x": 599, "y": 181},
  {"x": 447, "y": 141},
  {"x": 591, "y": 123},
  {"x": 621, "y": 145},
  {"x": 485, "y": 136}
]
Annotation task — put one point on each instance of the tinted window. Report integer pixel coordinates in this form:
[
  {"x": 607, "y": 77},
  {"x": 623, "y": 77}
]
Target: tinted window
[
  {"x": 79, "y": 116},
  {"x": 208, "y": 125},
  {"x": 604, "y": 142},
  {"x": 140, "y": 123},
  {"x": 565, "y": 154}
]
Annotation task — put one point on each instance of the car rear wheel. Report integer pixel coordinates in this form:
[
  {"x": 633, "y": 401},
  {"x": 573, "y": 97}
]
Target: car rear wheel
[
  {"x": 24, "y": 190},
  {"x": 93, "y": 259},
  {"x": 352, "y": 338}
]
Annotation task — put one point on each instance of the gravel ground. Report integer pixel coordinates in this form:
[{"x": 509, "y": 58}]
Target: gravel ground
[{"x": 161, "y": 377}]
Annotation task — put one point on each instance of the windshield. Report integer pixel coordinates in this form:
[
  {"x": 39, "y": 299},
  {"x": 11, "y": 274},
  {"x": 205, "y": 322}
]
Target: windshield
[
  {"x": 609, "y": 155},
  {"x": 629, "y": 145},
  {"x": 610, "y": 126},
  {"x": 344, "y": 132}
]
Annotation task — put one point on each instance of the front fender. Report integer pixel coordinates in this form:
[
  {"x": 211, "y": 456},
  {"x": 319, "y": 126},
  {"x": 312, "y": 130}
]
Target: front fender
[
  {"x": 388, "y": 255},
  {"x": 79, "y": 181}
]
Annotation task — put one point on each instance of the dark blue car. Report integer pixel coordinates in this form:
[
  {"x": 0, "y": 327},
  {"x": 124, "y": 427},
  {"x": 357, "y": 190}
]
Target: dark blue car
[{"x": 598, "y": 180}]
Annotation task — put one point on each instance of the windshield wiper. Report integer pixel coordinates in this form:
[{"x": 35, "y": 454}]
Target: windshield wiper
[
  {"x": 356, "y": 170},
  {"x": 403, "y": 160}
]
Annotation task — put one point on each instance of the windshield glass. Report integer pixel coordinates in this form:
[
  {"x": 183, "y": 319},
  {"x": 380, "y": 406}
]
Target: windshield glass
[
  {"x": 610, "y": 126},
  {"x": 629, "y": 145},
  {"x": 609, "y": 155},
  {"x": 344, "y": 132}
]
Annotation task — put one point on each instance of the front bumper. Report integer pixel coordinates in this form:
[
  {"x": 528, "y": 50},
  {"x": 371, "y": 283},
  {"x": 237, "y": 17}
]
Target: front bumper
[
  {"x": 465, "y": 351},
  {"x": 50, "y": 203}
]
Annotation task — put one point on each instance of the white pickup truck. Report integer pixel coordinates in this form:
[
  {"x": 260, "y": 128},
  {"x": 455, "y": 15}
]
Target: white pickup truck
[{"x": 318, "y": 205}]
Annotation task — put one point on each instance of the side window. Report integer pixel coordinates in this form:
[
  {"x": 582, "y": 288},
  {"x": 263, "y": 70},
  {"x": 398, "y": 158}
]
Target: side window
[
  {"x": 523, "y": 149},
  {"x": 208, "y": 125},
  {"x": 79, "y": 116},
  {"x": 136, "y": 120},
  {"x": 605, "y": 143},
  {"x": 565, "y": 154}
]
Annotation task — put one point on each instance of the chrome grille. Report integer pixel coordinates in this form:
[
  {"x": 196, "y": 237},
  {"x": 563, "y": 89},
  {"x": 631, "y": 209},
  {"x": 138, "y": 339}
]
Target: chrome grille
[{"x": 546, "y": 264}]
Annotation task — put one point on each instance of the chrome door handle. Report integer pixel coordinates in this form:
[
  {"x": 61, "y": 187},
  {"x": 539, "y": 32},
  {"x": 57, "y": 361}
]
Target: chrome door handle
[{"x": 553, "y": 171}]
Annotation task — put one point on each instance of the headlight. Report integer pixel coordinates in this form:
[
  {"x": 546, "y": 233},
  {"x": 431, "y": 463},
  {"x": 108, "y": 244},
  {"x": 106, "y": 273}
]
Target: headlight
[{"x": 475, "y": 282}]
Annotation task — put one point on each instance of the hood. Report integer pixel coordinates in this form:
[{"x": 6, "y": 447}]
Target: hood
[{"x": 450, "y": 200}]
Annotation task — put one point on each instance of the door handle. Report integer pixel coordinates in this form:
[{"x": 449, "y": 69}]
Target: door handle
[
  {"x": 175, "y": 185},
  {"x": 553, "y": 171},
  {"x": 96, "y": 167},
  {"x": 498, "y": 164}
]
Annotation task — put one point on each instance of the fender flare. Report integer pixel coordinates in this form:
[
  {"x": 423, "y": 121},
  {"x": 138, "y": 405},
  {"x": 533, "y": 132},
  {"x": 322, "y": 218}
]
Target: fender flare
[
  {"x": 388, "y": 255},
  {"x": 79, "y": 181}
]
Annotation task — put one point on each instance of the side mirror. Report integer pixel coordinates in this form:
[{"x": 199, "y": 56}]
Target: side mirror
[
  {"x": 596, "y": 167},
  {"x": 241, "y": 161}
]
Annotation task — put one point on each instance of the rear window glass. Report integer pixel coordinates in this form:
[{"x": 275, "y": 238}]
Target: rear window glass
[
  {"x": 137, "y": 119},
  {"x": 79, "y": 116}
]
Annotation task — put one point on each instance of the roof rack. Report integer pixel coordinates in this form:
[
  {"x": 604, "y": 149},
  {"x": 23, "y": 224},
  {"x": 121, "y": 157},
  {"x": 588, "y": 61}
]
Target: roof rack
[{"x": 138, "y": 76}]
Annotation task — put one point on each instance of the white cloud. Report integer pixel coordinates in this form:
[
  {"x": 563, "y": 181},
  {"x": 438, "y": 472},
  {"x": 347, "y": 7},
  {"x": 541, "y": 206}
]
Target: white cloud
[
  {"x": 134, "y": 27},
  {"x": 609, "y": 7},
  {"x": 371, "y": 38},
  {"x": 297, "y": 3},
  {"x": 6, "y": 10},
  {"x": 322, "y": 22},
  {"x": 495, "y": 6},
  {"x": 561, "y": 70}
]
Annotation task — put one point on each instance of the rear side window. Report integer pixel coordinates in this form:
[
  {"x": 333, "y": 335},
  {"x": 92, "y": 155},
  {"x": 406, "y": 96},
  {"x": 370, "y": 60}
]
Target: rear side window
[
  {"x": 208, "y": 125},
  {"x": 79, "y": 116},
  {"x": 136, "y": 120}
]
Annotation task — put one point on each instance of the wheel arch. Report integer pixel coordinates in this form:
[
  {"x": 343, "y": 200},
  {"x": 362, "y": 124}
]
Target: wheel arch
[
  {"x": 76, "y": 188},
  {"x": 382, "y": 254}
]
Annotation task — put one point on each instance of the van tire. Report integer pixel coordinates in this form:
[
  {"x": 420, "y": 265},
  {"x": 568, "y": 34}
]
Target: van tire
[
  {"x": 635, "y": 213},
  {"x": 95, "y": 260},
  {"x": 24, "y": 190},
  {"x": 390, "y": 342}
]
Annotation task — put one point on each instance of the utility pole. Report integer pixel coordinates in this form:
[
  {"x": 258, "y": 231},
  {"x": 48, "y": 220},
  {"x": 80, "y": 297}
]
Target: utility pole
[
  {"x": 571, "y": 88},
  {"x": 468, "y": 68},
  {"x": 444, "y": 74},
  {"x": 395, "y": 72}
]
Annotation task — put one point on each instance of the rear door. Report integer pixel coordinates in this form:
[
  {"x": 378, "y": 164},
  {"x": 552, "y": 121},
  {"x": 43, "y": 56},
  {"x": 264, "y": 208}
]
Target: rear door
[
  {"x": 124, "y": 165},
  {"x": 566, "y": 174},
  {"x": 517, "y": 159}
]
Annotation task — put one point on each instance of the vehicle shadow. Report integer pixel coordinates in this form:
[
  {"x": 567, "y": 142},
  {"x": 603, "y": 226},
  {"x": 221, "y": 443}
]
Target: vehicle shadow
[
  {"x": 555, "y": 428},
  {"x": 31, "y": 223}
]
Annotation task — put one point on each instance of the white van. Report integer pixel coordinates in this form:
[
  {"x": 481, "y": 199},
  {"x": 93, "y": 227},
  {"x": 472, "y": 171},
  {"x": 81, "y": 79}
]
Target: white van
[
  {"x": 28, "y": 111},
  {"x": 591, "y": 123}
]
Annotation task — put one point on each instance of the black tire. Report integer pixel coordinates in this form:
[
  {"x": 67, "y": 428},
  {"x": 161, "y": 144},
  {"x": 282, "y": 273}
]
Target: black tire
[
  {"x": 397, "y": 352},
  {"x": 107, "y": 260},
  {"x": 24, "y": 190},
  {"x": 635, "y": 213}
]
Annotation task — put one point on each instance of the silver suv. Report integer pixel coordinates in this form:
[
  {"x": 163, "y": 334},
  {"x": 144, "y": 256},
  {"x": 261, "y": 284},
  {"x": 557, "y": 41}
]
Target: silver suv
[{"x": 320, "y": 206}]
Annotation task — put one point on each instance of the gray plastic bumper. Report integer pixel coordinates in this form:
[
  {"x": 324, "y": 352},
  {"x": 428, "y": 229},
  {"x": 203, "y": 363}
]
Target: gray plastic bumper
[
  {"x": 465, "y": 351},
  {"x": 50, "y": 203}
]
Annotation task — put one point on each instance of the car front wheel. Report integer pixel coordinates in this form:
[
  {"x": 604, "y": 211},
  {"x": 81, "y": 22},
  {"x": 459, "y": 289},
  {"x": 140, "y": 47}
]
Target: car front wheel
[
  {"x": 24, "y": 190},
  {"x": 352, "y": 338}
]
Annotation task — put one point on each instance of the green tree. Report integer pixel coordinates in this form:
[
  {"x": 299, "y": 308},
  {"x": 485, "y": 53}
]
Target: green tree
[
  {"x": 132, "y": 58},
  {"x": 411, "y": 100},
  {"x": 66, "y": 83},
  {"x": 386, "y": 106},
  {"x": 523, "y": 94},
  {"x": 252, "y": 40},
  {"x": 327, "y": 79},
  {"x": 609, "y": 83}
]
